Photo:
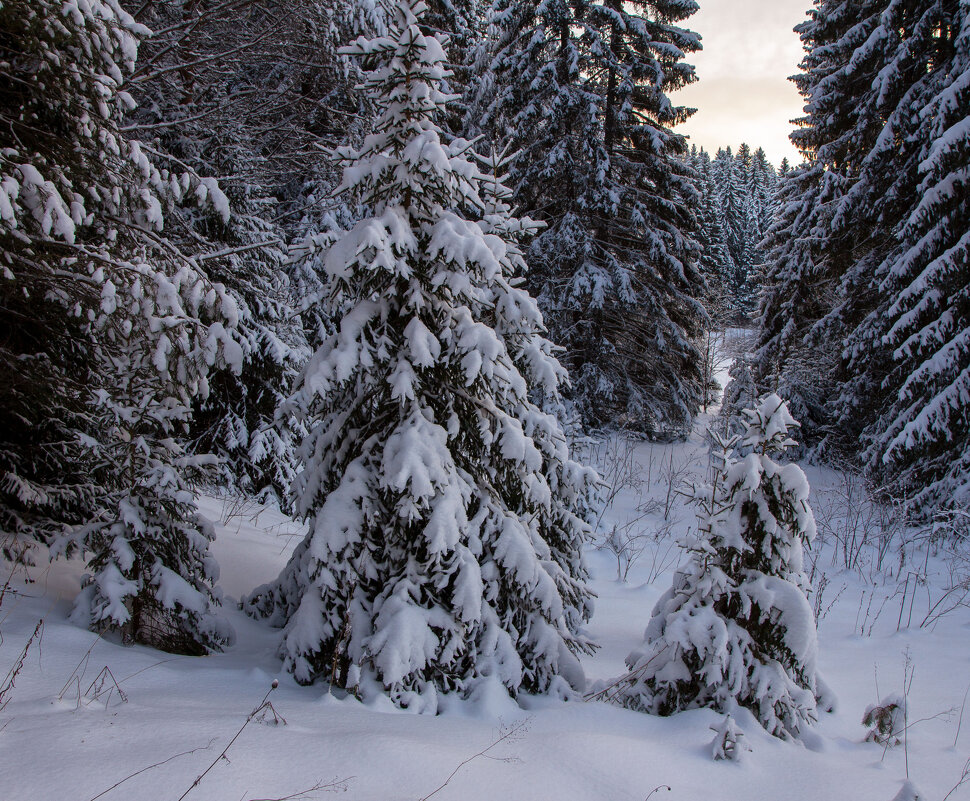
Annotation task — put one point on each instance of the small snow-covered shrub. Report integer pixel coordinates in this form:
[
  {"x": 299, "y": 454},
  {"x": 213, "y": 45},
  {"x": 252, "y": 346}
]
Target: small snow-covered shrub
[
  {"x": 728, "y": 741},
  {"x": 886, "y": 720},
  {"x": 736, "y": 627}
]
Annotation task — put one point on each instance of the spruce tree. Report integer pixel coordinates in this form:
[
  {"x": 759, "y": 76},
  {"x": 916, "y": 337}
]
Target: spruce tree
[
  {"x": 445, "y": 515},
  {"x": 714, "y": 259},
  {"x": 461, "y": 24},
  {"x": 49, "y": 153},
  {"x": 740, "y": 393},
  {"x": 745, "y": 185},
  {"x": 736, "y": 629},
  {"x": 879, "y": 315},
  {"x": 920, "y": 445},
  {"x": 804, "y": 266},
  {"x": 579, "y": 93},
  {"x": 879, "y": 79},
  {"x": 797, "y": 294},
  {"x": 118, "y": 329},
  {"x": 152, "y": 576}
]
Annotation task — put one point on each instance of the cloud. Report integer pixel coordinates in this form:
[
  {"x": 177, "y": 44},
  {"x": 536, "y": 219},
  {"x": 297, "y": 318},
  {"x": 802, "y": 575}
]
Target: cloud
[{"x": 743, "y": 92}]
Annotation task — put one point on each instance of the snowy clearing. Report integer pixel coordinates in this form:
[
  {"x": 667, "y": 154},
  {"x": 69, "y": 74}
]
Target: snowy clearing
[{"x": 183, "y": 711}]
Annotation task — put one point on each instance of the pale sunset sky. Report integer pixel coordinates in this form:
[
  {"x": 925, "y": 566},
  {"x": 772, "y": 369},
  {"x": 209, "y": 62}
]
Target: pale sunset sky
[{"x": 743, "y": 93}]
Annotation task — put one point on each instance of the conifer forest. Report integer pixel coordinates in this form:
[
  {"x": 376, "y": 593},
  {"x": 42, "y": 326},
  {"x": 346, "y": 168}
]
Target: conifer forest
[{"x": 399, "y": 399}]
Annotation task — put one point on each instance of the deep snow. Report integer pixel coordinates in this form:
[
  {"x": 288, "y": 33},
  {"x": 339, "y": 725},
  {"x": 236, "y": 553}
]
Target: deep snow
[{"x": 53, "y": 747}]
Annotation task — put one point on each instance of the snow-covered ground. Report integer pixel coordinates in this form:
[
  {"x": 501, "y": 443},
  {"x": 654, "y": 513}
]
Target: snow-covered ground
[{"x": 179, "y": 713}]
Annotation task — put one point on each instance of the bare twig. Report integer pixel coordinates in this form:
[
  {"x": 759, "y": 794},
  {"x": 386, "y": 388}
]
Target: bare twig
[
  {"x": 154, "y": 664},
  {"x": 963, "y": 706},
  {"x": 222, "y": 754},
  {"x": 6, "y": 586},
  {"x": 909, "y": 671},
  {"x": 149, "y": 767},
  {"x": 99, "y": 683},
  {"x": 333, "y": 786},
  {"x": 11, "y": 677},
  {"x": 612, "y": 689},
  {"x": 964, "y": 778},
  {"x": 518, "y": 727},
  {"x": 74, "y": 673}
]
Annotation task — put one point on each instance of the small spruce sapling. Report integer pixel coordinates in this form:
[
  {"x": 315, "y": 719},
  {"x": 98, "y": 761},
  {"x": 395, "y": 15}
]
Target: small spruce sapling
[
  {"x": 740, "y": 393},
  {"x": 728, "y": 743},
  {"x": 152, "y": 576},
  {"x": 116, "y": 329},
  {"x": 886, "y": 720},
  {"x": 736, "y": 628}
]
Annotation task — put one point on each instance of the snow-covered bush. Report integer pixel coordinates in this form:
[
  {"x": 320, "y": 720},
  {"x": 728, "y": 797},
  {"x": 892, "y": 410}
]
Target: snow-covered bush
[
  {"x": 728, "y": 742},
  {"x": 886, "y": 720},
  {"x": 116, "y": 328},
  {"x": 445, "y": 514},
  {"x": 736, "y": 628}
]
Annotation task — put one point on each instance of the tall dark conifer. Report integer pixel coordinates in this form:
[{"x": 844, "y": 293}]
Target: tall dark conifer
[
  {"x": 580, "y": 93},
  {"x": 803, "y": 269},
  {"x": 907, "y": 298},
  {"x": 876, "y": 228}
]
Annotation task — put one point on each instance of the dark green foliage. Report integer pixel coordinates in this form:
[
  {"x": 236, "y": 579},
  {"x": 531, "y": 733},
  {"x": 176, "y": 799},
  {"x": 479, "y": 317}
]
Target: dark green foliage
[
  {"x": 580, "y": 95},
  {"x": 863, "y": 321}
]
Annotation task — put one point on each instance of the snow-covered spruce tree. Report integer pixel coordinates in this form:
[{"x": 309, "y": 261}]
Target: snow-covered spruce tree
[
  {"x": 736, "y": 629},
  {"x": 714, "y": 258},
  {"x": 461, "y": 23},
  {"x": 117, "y": 331},
  {"x": 920, "y": 447},
  {"x": 745, "y": 186},
  {"x": 634, "y": 54},
  {"x": 872, "y": 72},
  {"x": 762, "y": 185},
  {"x": 445, "y": 515},
  {"x": 236, "y": 420},
  {"x": 891, "y": 65},
  {"x": 217, "y": 90},
  {"x": 728, "y": 172},
  {"x": 804, "y": 266},
  {"x": 740, "y": 393},
  {"x": 797, "y": 292},
  {"x": 49, "y": 177},
  {"x": 152, "y": 575},
  {"x": 579, "y": 93}
]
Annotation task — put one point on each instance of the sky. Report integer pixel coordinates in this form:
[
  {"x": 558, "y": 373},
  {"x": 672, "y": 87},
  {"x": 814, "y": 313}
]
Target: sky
[{"x": 743, "y": 93}]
